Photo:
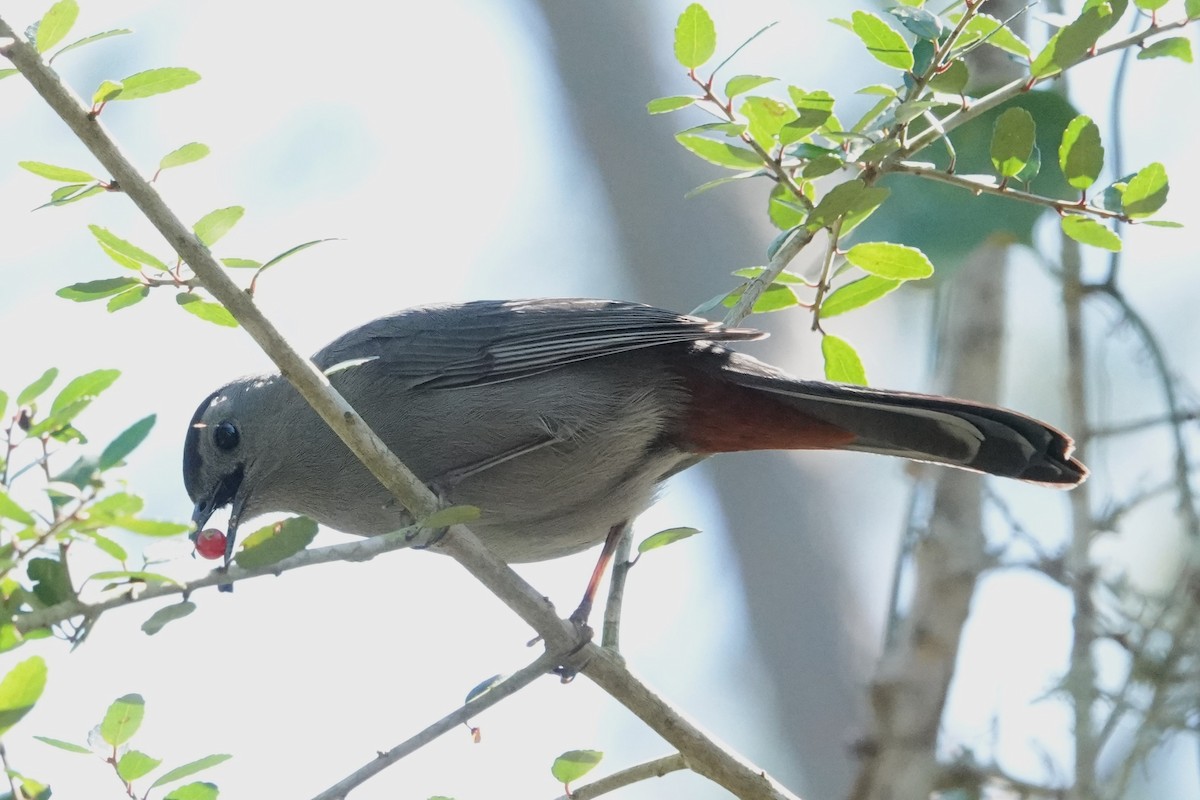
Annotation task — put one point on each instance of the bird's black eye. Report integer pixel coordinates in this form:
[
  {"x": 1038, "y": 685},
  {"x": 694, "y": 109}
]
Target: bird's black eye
[{"x": 226, "y": 436}]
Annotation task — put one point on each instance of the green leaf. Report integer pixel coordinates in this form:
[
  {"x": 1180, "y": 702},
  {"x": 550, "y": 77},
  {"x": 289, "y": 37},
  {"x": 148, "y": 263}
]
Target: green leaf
[
  {"x": 863, "y": 205},
  {"x": 5, "y": 73},
  {"x": 993, "y": 32},
  {"x": 1012, "y": 141},
  {"x": 240, "y": 263},
  {"x": 1072, "y": 43},
  {"x": 825, "y": 165},
  {"x": 51, "y": 584},
  {"x": 96, "y": 290},
  {"x": 291, "y": 251},
  {"x": 156, "y": 81},
  {"x": 922, "y": 23},
  {"x": 56, "y": 23},
  {"x": 127, "y": 298},
  {"x": 64, "y": 174},
  {"x": 1162, "y": 223},
  {"x": 882, "y": 40},
  {"x": 276, "y": 542},
  {"x": 191, "y": 768},
  {"x": 95, "y": 37},
  {"x": 71, "y": 193},
  {"x": 765, "y": 116},
  {"x": 1175, "y": 47},
  {"x": 10, "y": 509},
  {"x": 1192, "y": 9},
  {"x": 35, "y": 389},
  {"x": 740, "y": 84},
  {"x": 3, "y": 402},
  {"x": 695, "y": 37},
  {"x": 1150, "y": 5},
  {"x": 662, "y": 105},
  {"x": 451, "y": 515},
  {"x": 193, "y": 151},
  {"x": 665, "y": 537},
  {"x": 126, "y": 442},
  {"x": 151, "y": 527},
  {"x": 122, "y": 719},
  {"x": 952, "y": 80},
  {"x": 209, "y": 312},
  {"x": 194, "y": 791},
  {"x": 813, "y": 109},
  {"x": 1032, "y": 167},
  {"x": 842, "y": 364},
  {"x": 120, "y": 504},
  {"x": 215, "y": 224},
  {"x": 1147, "y": 191},
  {"x": 1088, "y": 231},
  {"x": 20, "y": 690},
  {"x": 836, "y": 202},
  {"x": 166, "y": 614},
  {"x": 1081, "y": 155},
  {"x": 891, "y": 261},
  {"x": 107, "y": 239},
  {"x": 85, "y": 387},
  {"x": 128, "y": 576},
  {"x": 574, "y": 764},
  {"x": 135, "y": 764},
  {"x": 107, "y": 90},
  {"x": 720, "y": 153},
  {"x": 857, "y": 294},
  {"x": 107, "y": 545},
  {"x": 61, "y": 745}
]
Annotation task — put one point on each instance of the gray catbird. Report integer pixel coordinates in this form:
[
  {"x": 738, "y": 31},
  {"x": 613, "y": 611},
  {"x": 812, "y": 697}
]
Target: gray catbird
[{"x": 558, "y": 419}]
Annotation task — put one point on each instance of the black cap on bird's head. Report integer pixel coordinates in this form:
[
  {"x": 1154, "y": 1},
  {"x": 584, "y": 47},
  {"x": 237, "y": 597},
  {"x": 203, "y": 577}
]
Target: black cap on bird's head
[{"x": 214, "y": 464}]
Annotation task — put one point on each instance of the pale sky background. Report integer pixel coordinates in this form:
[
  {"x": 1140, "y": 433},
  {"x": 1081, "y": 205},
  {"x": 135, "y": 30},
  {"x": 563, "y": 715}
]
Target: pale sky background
[{"x": 435, "y": 144}]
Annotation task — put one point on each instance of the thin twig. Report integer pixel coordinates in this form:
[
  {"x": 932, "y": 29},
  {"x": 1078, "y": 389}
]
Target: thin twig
[
  {"x": 627, "y": 777},
  {"x": 384, "y": 759}
]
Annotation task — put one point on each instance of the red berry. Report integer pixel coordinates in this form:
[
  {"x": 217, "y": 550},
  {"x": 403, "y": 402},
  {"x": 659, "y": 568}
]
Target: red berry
[{"x": 210, "y": 543}]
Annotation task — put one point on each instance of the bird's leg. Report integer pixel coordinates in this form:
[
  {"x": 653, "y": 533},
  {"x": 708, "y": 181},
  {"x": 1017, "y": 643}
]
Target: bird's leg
[{"x": 580, "y": 615}]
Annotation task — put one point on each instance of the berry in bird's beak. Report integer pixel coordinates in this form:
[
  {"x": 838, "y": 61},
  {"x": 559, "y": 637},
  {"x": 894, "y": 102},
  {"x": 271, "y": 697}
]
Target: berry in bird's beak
[{"x": 210, "y": 543}]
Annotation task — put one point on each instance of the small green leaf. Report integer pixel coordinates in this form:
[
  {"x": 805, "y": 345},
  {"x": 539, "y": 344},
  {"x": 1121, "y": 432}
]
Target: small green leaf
[
  {"x": 857, "y": 294},
  {"x": 6, "y": 73},
  {"x": 10, "y": 509},
  {"x": 151, "y": 527},
  {"x": 882, "y": 40},
  {"x": 126, "y": 442},
  {"x": 662, "y": 105},
  {"x": 836, "y": 202},
  {"x": 1147, "y": 191},
  {"x": 209, "y": 312},
  {"x": 133, "y": 576},
  {"x": 184, "y": 155},
  {"x": 96, "y": 290},
  {"x": 51, "y": 584},
  {"x": 107, "y": 545},
  {"x": 240, "y": 263},
  {"x": 665, "y": 537},
  {"x": 451, "y": 515},
  {"x": 3, "y": 402},
  {"x": 483, "y": 687},
  {"x": 1081, "y": 155},
  {"x": 765, "y": 116},
  {"x": 54, "y": 173},
  {"x": 825, "y": 165},
  {"x": 1162, "y": 223},
  {"x": 1192, "y": 9},
  {"x": 135, "y": 764},
  {"x": 1150, "y": 5},
  {"x": 740, "y": 84},
  {"x": 291, "y": 251},
  {"x": 107, "y": 90},
  {"x": 922, "y": 23},
  {"x": 720, "y": 153},
  {"x": 814, "y": 109},
  {"x": 85, "y": 387},
  {"x": 68, "y": 746},
  {"x": 191, "y": 768},
  {"x": 1175, "y": 47},
  {"x": 194, "y": 791},
  {"x": 1032, "y": 167},
  {"x": 274, "y": 543},
  {"x": 20, "y": 690},
  {"x": 107, "y": 239},
  {"x": 889, "y": 260},
  {"x": 1088, "y": 231},
  {"x": 166, "y": 614},
  {"x": 993, "y": 32},
  {"x": 156, "y": 81},
  {"x": 695, "y": 37},
  {"x": 95, "y": 37},
  {"x": 574, "y": 764},
  {"x": 215, "y": 224},
  {"x": 842, "y": 364},
  {"x": 1012, "y": 141},
  {"x": 35, "y": 389},
  {"x": 953, "y": 79},
  {"x": 56, "y": 23},
  {"x": 1072, "y": 43},
  {"x": 127, "y": 298}
]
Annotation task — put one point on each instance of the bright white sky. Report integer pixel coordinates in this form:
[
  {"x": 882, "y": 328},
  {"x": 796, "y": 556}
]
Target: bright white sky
[{"x": 437, "y": 149}]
